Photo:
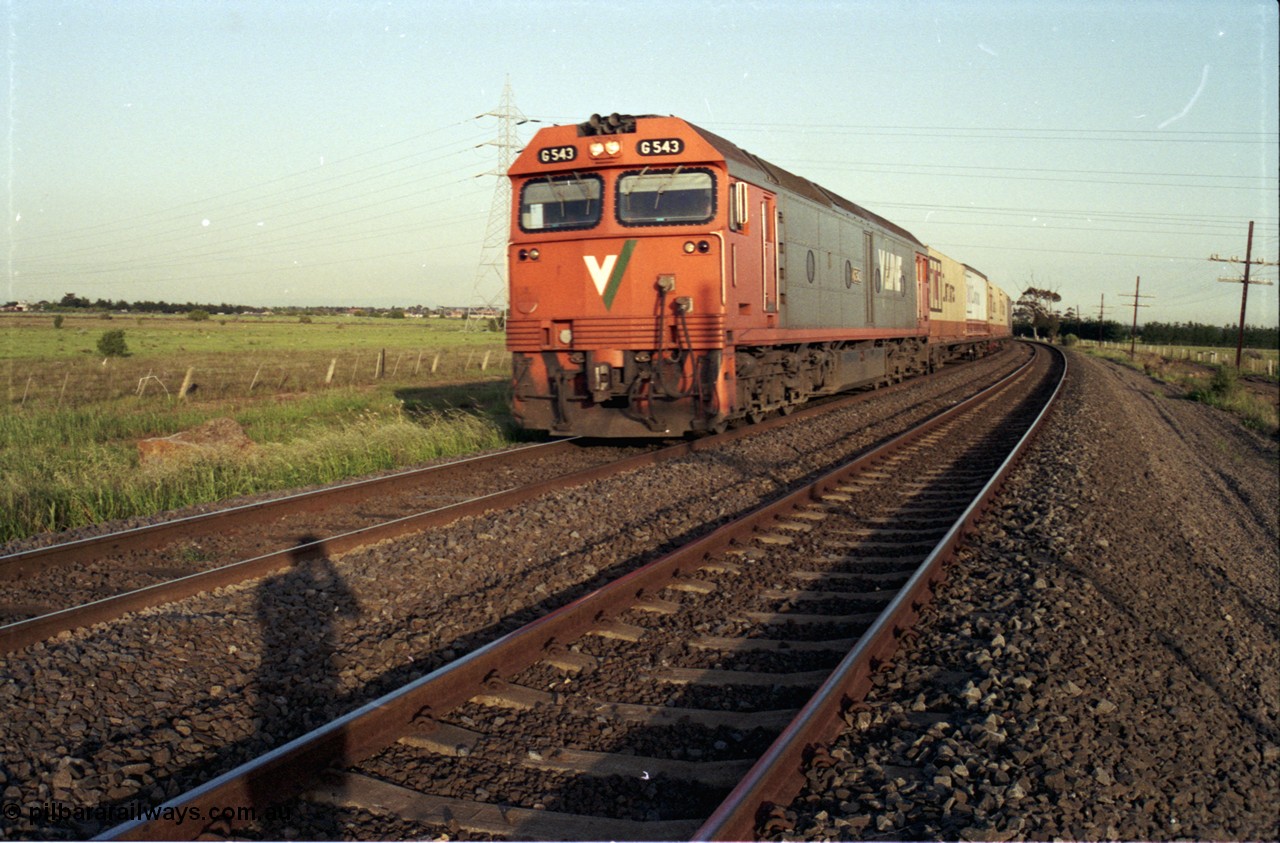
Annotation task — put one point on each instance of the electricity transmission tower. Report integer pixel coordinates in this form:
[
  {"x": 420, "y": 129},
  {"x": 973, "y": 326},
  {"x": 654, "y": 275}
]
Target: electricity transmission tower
[{"x": 491, "y": 273}]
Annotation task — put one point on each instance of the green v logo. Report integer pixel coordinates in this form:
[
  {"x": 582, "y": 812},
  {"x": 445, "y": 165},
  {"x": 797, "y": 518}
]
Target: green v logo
[{"x": 607, "y": 275}]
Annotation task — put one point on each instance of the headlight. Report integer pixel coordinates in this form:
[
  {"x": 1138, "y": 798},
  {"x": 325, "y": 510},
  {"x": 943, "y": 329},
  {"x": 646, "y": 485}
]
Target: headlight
[{"x": 599, "y": 149}]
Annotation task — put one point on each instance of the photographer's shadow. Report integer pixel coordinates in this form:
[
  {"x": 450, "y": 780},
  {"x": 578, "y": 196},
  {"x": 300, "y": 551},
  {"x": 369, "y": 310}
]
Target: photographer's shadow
[{"x": 298, "y": 682}]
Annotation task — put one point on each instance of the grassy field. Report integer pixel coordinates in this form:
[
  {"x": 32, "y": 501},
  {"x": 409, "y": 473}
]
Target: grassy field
[
  {"x": 321, "y": 401},
  {"x": 228, "y": 357},
  {"x": 1254, "y": 361}
]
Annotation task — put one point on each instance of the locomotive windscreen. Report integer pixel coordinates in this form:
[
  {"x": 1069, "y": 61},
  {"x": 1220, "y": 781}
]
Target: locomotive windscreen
[
  {"x": 560, "y": 202},
  {"x": 666, "y": 197}
]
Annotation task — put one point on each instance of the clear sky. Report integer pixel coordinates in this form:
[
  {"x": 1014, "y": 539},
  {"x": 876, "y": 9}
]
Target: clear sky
[{"x": 320, "y": 152}]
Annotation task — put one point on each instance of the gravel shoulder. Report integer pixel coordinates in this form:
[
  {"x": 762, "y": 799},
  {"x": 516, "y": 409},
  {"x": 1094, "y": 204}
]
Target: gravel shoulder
[{"x": 1104, "y": 660}]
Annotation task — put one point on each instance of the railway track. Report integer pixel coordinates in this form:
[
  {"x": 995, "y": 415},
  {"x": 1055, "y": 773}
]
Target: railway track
[
  {"x": 678, "y": 700},
  {"x": 49, "y": 590}
]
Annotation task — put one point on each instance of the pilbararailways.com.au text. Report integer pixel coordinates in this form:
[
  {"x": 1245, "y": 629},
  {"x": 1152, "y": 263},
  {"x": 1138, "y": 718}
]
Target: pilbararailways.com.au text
[{"x": 52, "y": 813}]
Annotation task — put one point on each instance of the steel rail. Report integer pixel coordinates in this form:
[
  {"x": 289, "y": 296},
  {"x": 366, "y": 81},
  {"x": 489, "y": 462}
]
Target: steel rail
[
  {"x": 23, "y": 633},
  {"x": 777, "y": 777},
  {"x": 289, "y": 770},
  {"x": 154, "y": 535}
]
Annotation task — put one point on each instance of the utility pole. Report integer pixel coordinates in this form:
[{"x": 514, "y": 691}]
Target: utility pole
[
  {"x": 493, "y": 257},
  {"x": 1102, "y": 309},
  {"x": 1133, "y": 332},
  {"x": 1244, "y": 293}
]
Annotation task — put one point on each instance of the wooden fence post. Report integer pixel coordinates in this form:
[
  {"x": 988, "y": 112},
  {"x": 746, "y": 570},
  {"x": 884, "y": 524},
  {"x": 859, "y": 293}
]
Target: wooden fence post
[
  {"x": 381, "y": 367},
  {"x": 328, "y": 379},
  {"x": 186, "y": 383}
]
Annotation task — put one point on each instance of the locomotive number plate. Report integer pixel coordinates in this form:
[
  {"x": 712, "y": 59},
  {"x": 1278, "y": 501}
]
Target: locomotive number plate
[
  {"x": 557, "y": 154},
  {"x": 661, "y": 146}
]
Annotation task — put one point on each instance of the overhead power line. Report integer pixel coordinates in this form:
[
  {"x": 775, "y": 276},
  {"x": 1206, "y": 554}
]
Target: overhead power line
[{"x": 1244, "y": 284}]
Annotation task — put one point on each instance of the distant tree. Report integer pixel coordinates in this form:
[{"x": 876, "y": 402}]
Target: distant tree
[
  {"x": 72, "y": 300},
  {"x": 198, "y": 315},
  {"x": 112, "y": 344},
  {"x": 1036, "y": 306}
]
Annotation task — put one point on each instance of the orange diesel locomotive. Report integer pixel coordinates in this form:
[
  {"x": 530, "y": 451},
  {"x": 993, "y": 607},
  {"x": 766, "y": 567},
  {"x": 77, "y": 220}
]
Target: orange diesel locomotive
[{"x": 665, "y": 281}]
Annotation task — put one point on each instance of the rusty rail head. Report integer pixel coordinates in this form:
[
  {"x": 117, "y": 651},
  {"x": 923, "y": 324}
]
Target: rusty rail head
[{"x": 777, "y": 777}]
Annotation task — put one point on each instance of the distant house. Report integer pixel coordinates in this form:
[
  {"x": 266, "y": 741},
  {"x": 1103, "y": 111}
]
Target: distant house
[{"x": 16, "y": 307}]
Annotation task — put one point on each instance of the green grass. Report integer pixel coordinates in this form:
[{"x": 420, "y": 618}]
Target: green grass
[
  {"x": 70, "y": 427},
  {"x": 243, "y": 358},
  {"x": 25, "y": 336},
  {"x": 61, "y": 469}
]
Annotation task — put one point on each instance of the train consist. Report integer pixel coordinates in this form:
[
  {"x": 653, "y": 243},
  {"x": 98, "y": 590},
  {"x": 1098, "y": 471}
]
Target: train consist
[{"x": 664, "y": 281}]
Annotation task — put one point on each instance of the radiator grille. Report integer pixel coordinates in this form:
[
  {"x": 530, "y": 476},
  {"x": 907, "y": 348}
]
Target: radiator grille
[{"x": 705, "y": 331}]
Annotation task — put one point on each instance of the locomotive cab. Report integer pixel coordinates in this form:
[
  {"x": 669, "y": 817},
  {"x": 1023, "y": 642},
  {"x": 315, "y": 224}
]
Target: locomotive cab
[{"x": 616, "y": 265}]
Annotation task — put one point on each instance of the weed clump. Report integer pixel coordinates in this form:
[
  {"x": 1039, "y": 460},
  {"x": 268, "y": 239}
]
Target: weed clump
[{"x": 112, "y": 344}]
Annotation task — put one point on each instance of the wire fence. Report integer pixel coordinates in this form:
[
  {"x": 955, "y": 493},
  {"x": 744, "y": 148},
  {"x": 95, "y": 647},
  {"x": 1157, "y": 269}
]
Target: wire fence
[
  {"x": 76, "y": 382},
  {"x": 1251, "y": 362}
]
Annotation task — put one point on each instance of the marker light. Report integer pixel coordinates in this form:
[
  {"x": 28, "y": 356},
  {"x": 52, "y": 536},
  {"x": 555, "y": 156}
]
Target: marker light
[{"x": 689, "y": 247}]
